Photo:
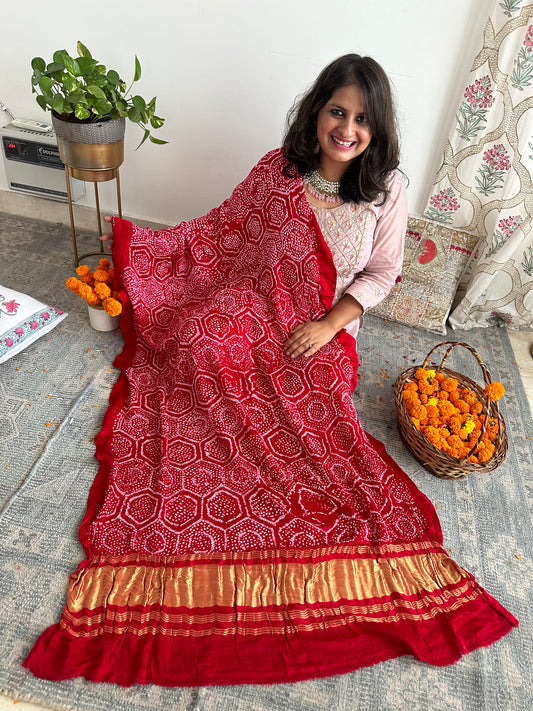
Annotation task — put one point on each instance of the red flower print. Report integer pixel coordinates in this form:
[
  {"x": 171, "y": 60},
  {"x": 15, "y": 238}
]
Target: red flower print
[
  {"x": 509, "y": 224},
  {"x": 528, "y": 42},
  {"x": 9, "y": 342},
  {"x": 480, "y": 93},
  {"x": 45, "y": 316},
  {"x": 11, "y": 306},
  {"x": 19, "y": 331},
  {"x": 34, "y": 325},
  {"x": 497, "y": 157},
  {"x": 445, "y": 200}
]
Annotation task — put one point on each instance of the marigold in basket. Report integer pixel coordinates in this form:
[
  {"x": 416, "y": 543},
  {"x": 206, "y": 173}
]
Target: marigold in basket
[
  {"x": 451, "y": 416},
  {"x": 96, "y": 287}
]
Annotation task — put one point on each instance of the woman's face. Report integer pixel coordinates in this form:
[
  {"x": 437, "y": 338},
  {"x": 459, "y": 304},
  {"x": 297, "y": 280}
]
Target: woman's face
[{"x": 342, "y": 131}]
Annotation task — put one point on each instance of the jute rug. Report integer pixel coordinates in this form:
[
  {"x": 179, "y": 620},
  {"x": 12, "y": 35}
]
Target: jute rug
[{"x": 52, "y": 398}]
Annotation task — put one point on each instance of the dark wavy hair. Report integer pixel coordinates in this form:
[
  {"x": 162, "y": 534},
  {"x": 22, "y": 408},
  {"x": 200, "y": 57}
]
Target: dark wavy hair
[{"x": 366, "y": 176}]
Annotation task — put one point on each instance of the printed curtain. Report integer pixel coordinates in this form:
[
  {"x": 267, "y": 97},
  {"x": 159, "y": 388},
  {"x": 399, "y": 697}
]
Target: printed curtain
[{"x": 484, "y": 185}]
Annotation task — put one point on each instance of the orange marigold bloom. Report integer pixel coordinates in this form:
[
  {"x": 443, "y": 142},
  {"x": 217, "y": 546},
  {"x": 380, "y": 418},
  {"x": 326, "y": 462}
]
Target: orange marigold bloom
[
  {"x": 440, "y": 377},
  {"x": 102, "y": 290},
  {"x": 425, "y": 387},
  {"x": 73, "y": 284},
  {"x": 87, "y": 278},
  {"x": 473, "y": 459},
  {"x": 82, "y": 270},
  {"x": 443, "y": 395},
  {"x": 446, "y": 409},
  {"x": 494, "y": 391},
  {"x": 462, "y": 406},
  {"x": 453, "y": 396},
  {"x": 410, "y": 385},
  {"x": 476, "y": 407},
  {"x": 423, "y": 398},
  {"x": 432, "y": 411},
  {"x": 454, "y": 441},
  {"x": 112, "y": 306},
  {"x": 419, "y": 412},
  {"x": 421, "y": 374},
  {"x": 104, "y": 263},
  {"x": 449, "y": 384},
  {"x": 468, "y": 396},
  {"x": 434, "y": 421},
  {"x": 102, "y": 275},
  {"x": 432, "y": 434}
]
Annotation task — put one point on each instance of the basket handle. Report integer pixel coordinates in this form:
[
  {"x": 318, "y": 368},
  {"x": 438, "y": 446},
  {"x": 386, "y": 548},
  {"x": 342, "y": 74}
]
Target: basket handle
[
  {"x": 452, "y": 345},
  {"x": 486, "y": 376}
]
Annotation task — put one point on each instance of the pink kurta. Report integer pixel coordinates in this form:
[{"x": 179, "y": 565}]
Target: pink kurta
[{"x": 366, "y": 242}]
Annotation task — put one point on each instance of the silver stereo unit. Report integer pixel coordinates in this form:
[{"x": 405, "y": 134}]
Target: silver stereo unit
[{"x": 33, "y": 165}]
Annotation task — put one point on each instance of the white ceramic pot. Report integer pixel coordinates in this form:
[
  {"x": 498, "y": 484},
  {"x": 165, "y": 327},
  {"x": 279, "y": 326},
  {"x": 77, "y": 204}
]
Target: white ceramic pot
[{"x": 100, "y": 320}]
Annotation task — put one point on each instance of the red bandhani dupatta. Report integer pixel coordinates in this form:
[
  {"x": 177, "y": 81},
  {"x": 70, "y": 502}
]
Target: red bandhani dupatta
[{"x": 242, "y": 526}]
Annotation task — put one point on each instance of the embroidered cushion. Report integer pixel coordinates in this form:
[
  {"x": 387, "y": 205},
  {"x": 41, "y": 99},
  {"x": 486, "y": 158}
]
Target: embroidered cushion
[
  {"x": 435, "y": 257},
  {"x": 22, "y": 321}
]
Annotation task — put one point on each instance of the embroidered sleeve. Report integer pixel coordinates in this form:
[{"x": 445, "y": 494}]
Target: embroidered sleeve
[{"x": 384, "y": 266}]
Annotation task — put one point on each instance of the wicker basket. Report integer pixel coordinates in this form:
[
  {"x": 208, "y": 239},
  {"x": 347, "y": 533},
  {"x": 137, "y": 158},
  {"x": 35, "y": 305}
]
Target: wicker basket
[{"x": 434, "y": 460}]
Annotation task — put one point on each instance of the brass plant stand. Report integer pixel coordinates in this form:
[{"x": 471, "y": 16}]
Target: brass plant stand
[
  {"x": 91, "y": 152},
  {"x": 95, "y": 177}
]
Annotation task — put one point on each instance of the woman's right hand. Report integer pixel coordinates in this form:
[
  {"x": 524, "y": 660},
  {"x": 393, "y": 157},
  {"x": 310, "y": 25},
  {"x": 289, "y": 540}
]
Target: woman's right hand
[{"x": 108, "y": 237}]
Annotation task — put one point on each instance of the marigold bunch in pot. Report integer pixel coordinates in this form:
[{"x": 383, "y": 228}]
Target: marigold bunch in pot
[
  {"x": 450, "y": 416},
  {"x": 96, "y": 287}
]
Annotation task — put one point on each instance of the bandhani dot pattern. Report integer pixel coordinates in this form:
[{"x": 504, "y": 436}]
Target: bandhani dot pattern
[{"x": 242, "y": 527}]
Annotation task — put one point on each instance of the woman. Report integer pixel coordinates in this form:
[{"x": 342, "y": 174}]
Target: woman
[
  {"x": 242, "y": 527},
  {"x": 343, "y": 141}
]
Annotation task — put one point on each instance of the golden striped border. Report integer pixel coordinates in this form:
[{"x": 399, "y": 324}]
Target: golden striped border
[{"x": 264, "y": 592}]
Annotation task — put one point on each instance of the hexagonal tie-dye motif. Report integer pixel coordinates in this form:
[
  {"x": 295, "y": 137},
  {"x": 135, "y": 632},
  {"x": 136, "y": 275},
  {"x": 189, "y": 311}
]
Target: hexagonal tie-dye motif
[{"x": 242, "y": 526}]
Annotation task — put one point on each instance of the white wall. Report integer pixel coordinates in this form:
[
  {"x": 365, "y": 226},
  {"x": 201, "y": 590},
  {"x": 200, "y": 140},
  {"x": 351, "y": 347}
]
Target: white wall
[{"x": 226, "y": 71}]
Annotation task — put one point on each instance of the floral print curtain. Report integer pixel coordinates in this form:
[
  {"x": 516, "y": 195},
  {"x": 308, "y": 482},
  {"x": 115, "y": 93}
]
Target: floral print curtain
[{"x": 485, "y": 183}]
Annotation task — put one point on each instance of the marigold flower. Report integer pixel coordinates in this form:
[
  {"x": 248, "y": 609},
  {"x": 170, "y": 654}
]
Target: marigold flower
[
  {"x": 432, "y": 411},
  {"x": 423, "y": 399},
  {"x": 102, "y": 290},
  {"x": 424, "y": 386},
  {"x": 102, "y": 275},
  {"x": 73, "y": 284},
  {"x": 449, "y": 384},
  {"x": 443, "y": 395},
  {"x": 432, "y": 434},
  {"x": 454, "y": 423},
  {"x": 462, "y": 406},
  {"x": 446, "y": 409},
  {"x": 440, "y": 377},
  {"x": 468, "y": 426},
  {"x": 104, "y": 263},
  {"x": 419, "y": 412},
  {"x": 421, "y": 374},
  {"x": 494, "y": 391},
  {"x": 410, "y": 385},
  {"x": 82, "y": 270},
  {"x": 476, "y": 407},
  {"x": 454, "y": 441},
  {"x": 112, "y": 306},
  {"x": 468, "y": 396}
]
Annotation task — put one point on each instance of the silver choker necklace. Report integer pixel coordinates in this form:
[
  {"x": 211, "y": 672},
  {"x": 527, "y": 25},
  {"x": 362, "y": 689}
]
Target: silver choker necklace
[{"x": 321, "y": 188}]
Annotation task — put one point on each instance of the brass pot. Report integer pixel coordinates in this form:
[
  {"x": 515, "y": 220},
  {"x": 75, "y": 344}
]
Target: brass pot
[{"x": 93, "y": 151}]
